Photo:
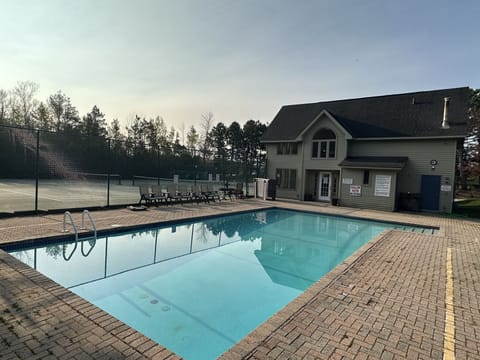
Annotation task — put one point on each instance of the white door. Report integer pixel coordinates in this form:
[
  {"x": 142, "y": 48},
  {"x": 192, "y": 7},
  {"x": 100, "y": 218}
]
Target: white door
[{"x": 324, "y": 187}]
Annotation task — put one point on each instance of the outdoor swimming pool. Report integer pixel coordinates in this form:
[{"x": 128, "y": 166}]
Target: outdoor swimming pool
[{"x": 199, "y": 287}]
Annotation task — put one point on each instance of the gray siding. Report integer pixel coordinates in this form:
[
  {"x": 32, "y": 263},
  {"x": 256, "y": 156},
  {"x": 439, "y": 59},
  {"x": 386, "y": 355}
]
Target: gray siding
[
  {"x": 420, "y": 153},
  {"x": 303, "y": 160},
  {"x": 367, "y": 199},
  {"x": 275, "y": 161},
  {"x": 324, "y": 164}
]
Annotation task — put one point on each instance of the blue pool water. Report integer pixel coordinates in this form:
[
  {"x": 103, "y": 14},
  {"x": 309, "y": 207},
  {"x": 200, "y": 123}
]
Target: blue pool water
[{"x": 199, "y": 287}]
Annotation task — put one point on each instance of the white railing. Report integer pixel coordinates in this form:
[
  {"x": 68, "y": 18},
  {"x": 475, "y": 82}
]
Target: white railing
[
  {"x": 86, "y": 212},
  {"x": 68, "y": 215},
  {"x": 74, "y": 225}
]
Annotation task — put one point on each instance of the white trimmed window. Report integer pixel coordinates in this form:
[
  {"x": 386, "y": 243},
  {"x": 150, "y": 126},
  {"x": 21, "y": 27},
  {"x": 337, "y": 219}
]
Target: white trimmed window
[
  {"x": 324, "y": 144},
  {"x": 286, "y": 178},
  {"x": 287, "y": 148}
]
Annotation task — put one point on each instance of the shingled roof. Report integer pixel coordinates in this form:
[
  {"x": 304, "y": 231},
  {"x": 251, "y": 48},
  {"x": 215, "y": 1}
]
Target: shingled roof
[
  {"x": 417, "y": 114},
  {"x": 374, "y": 162}
]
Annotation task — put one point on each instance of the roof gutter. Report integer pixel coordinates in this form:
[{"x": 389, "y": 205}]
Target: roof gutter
[
  {"x": 412, "y": 138},
  {"x": 278, "y": 141},
  {"x": 376, "y": 138},
  {"x": 371, "y": 167}
]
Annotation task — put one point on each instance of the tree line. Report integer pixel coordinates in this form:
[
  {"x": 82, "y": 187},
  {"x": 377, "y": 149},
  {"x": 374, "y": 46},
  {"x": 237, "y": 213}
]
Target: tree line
[
  {"x": 469, "y": 165},
  {"x": 147, "y": 146}
]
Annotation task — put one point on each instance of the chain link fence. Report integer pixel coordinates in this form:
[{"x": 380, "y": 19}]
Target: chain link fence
[{"x": 46, "y": 171}]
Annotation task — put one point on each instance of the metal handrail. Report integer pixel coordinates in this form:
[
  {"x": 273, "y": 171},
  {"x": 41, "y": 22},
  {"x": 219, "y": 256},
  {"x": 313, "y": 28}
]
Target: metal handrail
[
  {"x": 68, "y": 215},
  {"x": 74, "y": 225},
  {"x": 86, "y": 212},
  {"x": 92, "y": 245},
  {"x": 67, "y": 258}
]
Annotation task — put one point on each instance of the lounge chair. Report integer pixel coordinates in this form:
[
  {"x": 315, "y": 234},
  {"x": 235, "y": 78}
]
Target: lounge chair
[
  {"x": 198, "y": 195},
  {"x": 145, "y": 194},
  {"x": 226, "y": 192},
  {"x": 173, "y": 195},
  {"x": 160, "y": 196},
  {"x": 208, "y": 195},
  {"x": 184, "y": 193},
  {"x": 213, "y": 193},
  {"x": 150, "y": 195},
  {"x": 238, "y": 191}
]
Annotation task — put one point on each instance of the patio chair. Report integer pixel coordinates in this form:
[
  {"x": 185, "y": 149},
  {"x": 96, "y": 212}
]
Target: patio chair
[
  {"x": 145, "y": 194},
  {"x": 184, "y": 193},
  {"x": 197, "y": 194},
  {"x": 150, "y": 195},
  {"x": 173, "y": 195},
  {"x": 238, "y": 191},
  {"x": 214, "y": 193},
  {"x": 204, "y": 191},
  {"x": 226, "y": 192},
  {"x": 159, "y": 195}
]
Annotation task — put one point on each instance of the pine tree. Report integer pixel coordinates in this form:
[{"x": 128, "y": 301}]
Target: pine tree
[{"x": 94, "y": 123}]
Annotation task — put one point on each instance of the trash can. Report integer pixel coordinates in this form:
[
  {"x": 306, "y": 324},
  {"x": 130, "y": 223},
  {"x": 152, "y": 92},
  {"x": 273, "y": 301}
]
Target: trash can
[
  {"x": 409, "y": 201},
  {"x": 272, "y": 189}
]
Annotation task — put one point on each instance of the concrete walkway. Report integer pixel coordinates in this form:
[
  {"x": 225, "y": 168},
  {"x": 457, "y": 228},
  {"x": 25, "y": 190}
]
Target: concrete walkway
[{"x": 402, "y": 295}]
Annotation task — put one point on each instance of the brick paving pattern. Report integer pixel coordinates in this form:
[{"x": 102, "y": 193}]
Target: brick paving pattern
[{"x": 387, "y": 301}]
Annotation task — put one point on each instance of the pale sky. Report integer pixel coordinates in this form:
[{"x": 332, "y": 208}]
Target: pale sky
[{"x": 239, "y": 59}]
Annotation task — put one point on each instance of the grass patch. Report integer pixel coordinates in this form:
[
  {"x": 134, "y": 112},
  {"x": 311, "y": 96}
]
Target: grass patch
[
  {"x": 469, "y": 203},
  {"x": 469, "y": 208}
]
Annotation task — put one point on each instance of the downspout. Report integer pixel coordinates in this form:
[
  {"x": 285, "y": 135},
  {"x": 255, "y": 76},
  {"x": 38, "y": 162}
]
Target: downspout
[
  {"x": 304, "y": 175},
  {"x": 340, "y": 182},
  {"x": 451, "y": 177},
  {"x": 339, "y": 187}
]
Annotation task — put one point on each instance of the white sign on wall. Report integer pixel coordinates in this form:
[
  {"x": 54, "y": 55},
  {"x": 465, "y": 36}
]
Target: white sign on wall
[
  {"x": 355, "y": 190},
  {"x": 347, "y": 181},
  {"x": 446, "y": 188},
  {"x": 175, "y": 179},
  {"x": 382, "y": 185}
]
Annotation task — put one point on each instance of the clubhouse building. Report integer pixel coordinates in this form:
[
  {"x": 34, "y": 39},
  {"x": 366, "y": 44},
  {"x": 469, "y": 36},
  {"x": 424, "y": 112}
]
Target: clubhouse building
[{"x": 383, "y": 152}]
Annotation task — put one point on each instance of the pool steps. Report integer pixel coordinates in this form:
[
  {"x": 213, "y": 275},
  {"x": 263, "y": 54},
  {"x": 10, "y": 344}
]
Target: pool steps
[
  {"x": 429, "y": 231},
  {"x": 68, "y": 215}
]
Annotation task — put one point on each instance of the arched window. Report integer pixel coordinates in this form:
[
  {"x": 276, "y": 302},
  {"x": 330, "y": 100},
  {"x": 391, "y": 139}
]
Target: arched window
[{"x": 324, "y": 144}]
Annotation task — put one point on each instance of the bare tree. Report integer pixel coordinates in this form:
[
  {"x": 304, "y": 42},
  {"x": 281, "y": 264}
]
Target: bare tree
[
  {"x": 206, "y": 125},
  {"x": 3, "y": 106},
  {"x": 192, "y": 139},
  {"x": 57, "y": 104},
  {"x": 13, "y": 112},
  {"x": 25, "y": 92},
  {"x": 182, "y": 133}
]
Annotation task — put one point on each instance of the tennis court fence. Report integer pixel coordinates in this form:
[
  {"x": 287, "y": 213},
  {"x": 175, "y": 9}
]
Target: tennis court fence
[{"x": 49, "y": 171}]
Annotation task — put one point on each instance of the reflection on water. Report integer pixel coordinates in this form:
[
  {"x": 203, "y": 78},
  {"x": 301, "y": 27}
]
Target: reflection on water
[
  {"x": 197, "y": 288},
  {"x": 294, "y": 247}
]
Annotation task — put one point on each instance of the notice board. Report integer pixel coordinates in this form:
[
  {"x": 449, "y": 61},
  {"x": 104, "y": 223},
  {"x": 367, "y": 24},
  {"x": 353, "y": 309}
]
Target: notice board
[{"x": 382, "y": 185}]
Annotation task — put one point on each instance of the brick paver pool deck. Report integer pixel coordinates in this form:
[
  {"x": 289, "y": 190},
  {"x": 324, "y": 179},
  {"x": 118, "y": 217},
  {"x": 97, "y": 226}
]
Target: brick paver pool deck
[{"x": 389, "y": 300}]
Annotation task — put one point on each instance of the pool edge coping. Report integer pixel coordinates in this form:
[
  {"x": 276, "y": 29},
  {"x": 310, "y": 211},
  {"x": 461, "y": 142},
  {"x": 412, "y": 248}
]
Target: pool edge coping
[
  {"x": 251, "y": 341},
  {"x": 264, "y": 330}
]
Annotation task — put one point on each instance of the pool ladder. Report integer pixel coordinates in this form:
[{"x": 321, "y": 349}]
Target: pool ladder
[
  {"x": 74, "y": 224},
  {"x": 68, "y": 215}
]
